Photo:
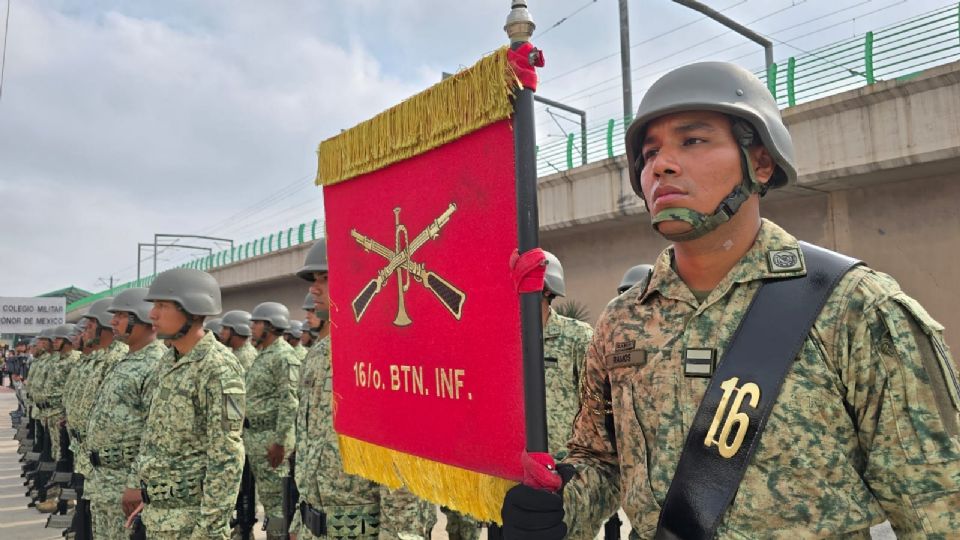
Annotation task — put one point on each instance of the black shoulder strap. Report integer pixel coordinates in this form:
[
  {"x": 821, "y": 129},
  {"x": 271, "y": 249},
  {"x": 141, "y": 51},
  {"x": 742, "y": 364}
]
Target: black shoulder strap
[{"x": 734, "y": 410}]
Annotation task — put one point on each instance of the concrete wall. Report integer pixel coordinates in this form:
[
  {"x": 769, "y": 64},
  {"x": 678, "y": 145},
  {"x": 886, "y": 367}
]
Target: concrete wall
[{"x": 268, "y": 278}]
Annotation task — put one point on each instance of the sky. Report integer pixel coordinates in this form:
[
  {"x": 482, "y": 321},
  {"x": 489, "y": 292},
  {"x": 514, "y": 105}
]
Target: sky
[{"x": 121, "y": 120}]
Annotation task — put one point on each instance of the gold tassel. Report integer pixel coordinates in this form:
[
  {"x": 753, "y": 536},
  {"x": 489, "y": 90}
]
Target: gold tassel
[
  {"x": 458, "y": 105},
  {"x": 477, "y": 494}
]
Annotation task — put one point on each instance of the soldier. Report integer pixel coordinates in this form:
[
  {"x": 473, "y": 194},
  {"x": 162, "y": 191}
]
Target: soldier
[
  {"x": 214, "y": 326},
  {"x": 311, "y": 324},
  {"x": 634, "y": 275},
  {"x": 191, "y": 453},
  {"x": 864, "y": 427},
  {"x": 119, "y": 413},
  {"x": 106, "y": 352},
  {"x": 271, "y": 410},
  {"x": 293, "y": 335},
  {"x": 334, "y": 504},
  {"x": 235, "y": 333}
]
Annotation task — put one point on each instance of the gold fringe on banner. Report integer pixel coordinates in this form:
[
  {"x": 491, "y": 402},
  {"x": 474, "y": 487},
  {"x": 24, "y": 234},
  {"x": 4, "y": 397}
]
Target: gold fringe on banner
[
  {"x": 458, "y": 105},
  {"x": 469, "y": 492}
]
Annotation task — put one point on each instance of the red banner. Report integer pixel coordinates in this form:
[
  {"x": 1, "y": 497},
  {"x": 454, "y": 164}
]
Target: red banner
[{"x": 426, "y": 326}]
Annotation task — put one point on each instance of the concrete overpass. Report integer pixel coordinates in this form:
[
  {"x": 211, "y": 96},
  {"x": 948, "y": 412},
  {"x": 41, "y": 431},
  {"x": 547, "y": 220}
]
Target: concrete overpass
[{"x": 879, "y": 180}]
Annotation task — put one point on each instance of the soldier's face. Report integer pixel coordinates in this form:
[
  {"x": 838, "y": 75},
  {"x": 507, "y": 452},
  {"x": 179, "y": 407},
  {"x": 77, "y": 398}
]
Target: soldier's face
[
  {"x": 312, "y": 319},
  {"x": 166, "y": 318},
  {"x": 89, "y": 330},
  {"x": 258, "y": 329},
  {"x": 691, "y": 160},
  {"x": 225, "y": 334},
  {"x": 58, "y": 343},
  {"x": 119, "y": 323},
  {"x": 319, "y": 291}
]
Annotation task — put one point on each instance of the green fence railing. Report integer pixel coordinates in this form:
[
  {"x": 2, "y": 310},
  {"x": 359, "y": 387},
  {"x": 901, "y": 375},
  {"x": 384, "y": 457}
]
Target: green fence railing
[{"x": 899, "y": 51}]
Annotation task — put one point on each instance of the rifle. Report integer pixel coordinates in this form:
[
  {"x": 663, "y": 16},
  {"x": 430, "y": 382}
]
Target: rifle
[
  {"x": 139, "y": 531},
  {"x": 246, "y": 504},
  {"x": 291, "y": 495}
]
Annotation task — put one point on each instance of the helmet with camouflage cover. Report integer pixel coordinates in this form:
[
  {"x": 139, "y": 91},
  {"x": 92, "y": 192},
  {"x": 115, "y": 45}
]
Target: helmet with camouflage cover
[
  {"x": 724, "y": 88},
  {"x": 237, "y": 321},
  {"x": 553, "y": 279},
  {"x": 274, "y": 313},
  {"x": 99, "y": 312},
  {"x": 132, "y": 301},
  {"x": 316, "y": 260},
  {"x": 195, "y": 291},
  {"x": 295, "y": 330},
  {"x": 633, "y": 276}
]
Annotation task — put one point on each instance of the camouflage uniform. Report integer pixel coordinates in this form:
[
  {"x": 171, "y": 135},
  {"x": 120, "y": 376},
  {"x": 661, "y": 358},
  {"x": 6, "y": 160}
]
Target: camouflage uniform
[
  {"x": 352, "y": 504},
  {"x": 114, "y": 432},
  {"x": 35, "y": 383},
  {"x": 51, "y": 395},
  {"x": 94, "y": 373},
  {"x": 271, "y": 417},
  {"x": 191, "y": 455},
  {"x": 246, "y": 354},
  {"x": 71, "y": 399},
  {"x": 865, "y": 427},
  {"x": 300, "y": 351}
]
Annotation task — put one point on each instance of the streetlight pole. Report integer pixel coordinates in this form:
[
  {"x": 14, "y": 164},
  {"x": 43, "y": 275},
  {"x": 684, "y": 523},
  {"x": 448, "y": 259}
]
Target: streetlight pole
[
  {"x": 141, "y": 245},
  {"x": 733, "y": 25},
  {"x": 156, "y": 238},
  {"x": 625, "y": 60}
]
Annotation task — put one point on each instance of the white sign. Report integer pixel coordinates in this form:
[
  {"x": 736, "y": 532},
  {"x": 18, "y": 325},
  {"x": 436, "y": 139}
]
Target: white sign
[{"x": 31, "y": 315}]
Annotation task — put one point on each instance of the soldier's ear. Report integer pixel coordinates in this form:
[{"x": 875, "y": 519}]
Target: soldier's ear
[{"x": 762, "y": 162}]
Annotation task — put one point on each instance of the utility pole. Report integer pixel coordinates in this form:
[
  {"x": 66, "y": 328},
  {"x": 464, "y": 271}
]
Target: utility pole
[
  {"x": 733, "y": 25},
  {"x": 625, "y": 60}
]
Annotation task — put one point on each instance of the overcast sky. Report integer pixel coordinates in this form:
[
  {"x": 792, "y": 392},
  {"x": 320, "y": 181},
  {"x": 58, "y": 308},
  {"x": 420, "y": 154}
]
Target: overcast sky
[{"x": 119, "y": 120}]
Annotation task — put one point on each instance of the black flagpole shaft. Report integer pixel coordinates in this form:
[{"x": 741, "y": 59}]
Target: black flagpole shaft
[{"x": 534, "y": 386}]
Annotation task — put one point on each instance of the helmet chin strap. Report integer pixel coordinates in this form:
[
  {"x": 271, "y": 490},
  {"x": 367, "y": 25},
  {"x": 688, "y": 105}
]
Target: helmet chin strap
[
  {"x": 702, "y": 224},
  {"x": 184, "y": 329}
]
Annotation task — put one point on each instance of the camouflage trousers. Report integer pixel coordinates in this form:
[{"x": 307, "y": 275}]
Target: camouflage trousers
[
  {"x": 52, "y": 425},
  {"x": 109, "y": 522},
  {"x": 461, "y": 526},
  {"x": 268, "y": 479},
  {"x": 405, "y": 516}
]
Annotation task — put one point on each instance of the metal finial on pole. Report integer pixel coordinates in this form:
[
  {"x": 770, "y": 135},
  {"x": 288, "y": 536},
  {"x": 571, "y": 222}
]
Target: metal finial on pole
[{"x": 520, "y": 25}]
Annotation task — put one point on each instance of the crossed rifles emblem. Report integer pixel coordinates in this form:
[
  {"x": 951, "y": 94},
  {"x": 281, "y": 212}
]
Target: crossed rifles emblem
[{"x": 401, "y": 264}]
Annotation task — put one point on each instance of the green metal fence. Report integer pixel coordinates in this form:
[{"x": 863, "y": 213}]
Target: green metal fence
[{"x": 900, "y": 51}]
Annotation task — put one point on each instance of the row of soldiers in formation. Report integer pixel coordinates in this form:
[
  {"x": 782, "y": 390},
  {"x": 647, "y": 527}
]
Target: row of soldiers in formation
[{"x": 170, "y": 416}]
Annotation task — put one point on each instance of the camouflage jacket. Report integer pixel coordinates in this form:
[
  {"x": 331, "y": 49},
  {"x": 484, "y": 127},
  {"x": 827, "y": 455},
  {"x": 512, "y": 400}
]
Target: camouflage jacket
[
  {"x": 864, "y": 429},
  {"x": 37, "y": 378},
  {"x": 565, "y": 343},
  {"x": 300, "y": 351},
  {"x": 191, "y": 454},
  {"x": 116, "y": 422},
  {"x": 72, "y": 391},
  {"x": 272, "y": 392},
  {"x": 55, "y": 378},
  {"x": 246, "y": 354}
]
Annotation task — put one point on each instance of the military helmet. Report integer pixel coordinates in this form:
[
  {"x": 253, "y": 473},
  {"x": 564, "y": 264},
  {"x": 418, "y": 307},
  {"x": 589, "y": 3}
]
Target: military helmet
[
  {"x": 46, "y": 333},
  {"x": 132, "y": 301},
  {"x": 100, "y": 311},
  {"x": 64, "y": 331},
  {"x": 553, "y": 279},
  {"x": 309, "y": 304},
  {"x": 274, "y": 313},
  {"x": 316, "y": 260},
  {"x": 196, "y": 291},
  {"x": 633, "y": 276},
  {"x": 238, "y": 321},
  {"x": 295, "y": 330},
  {"x": 721, "y": 87},
  {"x": 213, "y": 325}
]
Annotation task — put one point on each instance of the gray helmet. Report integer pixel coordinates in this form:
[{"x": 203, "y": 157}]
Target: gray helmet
[
  {"x": 46, "y": 333},
  {"x": 308, "y": 303},
  {"x": 100, "y": 311},
  {"x": 196, "y": 291},
  {"x": 238, "y": 321},
  {"x": 64, "y": 331},
  {"x": 316, "y": 260},
  {"x": 213, "y": 325},
  {"x": 274, "y": 313},
  {"x": 295, "y": 330},
  {"x": 721, "y": 87},
  {"x": 553, "y": 279},
  {"x": 633, "y": 276},
  {"x": 132, "y": 301}
]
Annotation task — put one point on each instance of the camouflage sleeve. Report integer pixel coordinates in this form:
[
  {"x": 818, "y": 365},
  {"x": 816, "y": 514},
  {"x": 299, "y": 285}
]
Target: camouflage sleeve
[
  {"x": 287, "y": 402},
  {"x": 580, "y": 366},
  {"x": 901, "y": 385},
  {"x": 224, "y": 395},
  {"x": 595, "y": 490}
]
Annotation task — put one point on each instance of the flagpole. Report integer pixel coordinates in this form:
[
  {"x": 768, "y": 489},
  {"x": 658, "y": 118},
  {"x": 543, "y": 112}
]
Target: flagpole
[{"x": 519, "y": 28}]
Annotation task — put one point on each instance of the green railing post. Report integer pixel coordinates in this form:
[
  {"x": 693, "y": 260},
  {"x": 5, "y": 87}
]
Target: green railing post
[
  {"x": 313, "y": 230},
  {"x": 868, "y": 56},
  {"x": 791, "y": 81},
  {"x": 270, "y": 243},
  {"x": 300, "y": 233},
  {"x": 772, "y": 79},
  {"x": 569, "y": 151},
  {"x": 290, "y": 237},
  {"x": 263, "y": 240},
  {"x": 610, "y": 125}
]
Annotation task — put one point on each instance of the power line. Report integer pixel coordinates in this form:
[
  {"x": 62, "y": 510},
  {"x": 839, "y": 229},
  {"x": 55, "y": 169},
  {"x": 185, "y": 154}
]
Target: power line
[
  {"x": 3, "y": 63},
  {"x": 568, "y": 17}
]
